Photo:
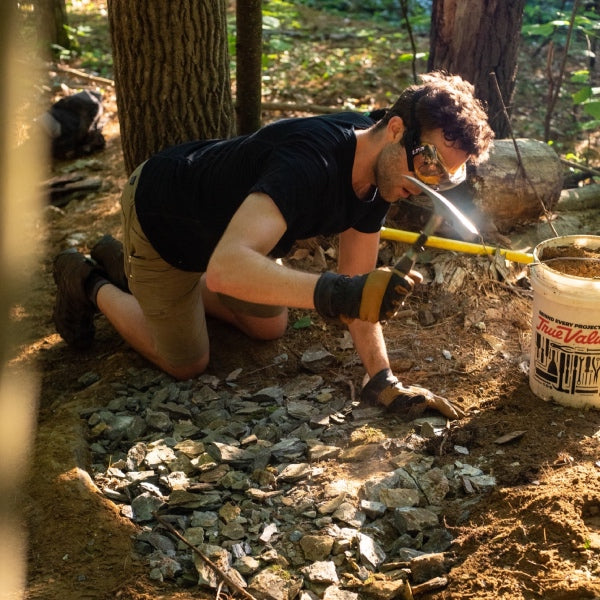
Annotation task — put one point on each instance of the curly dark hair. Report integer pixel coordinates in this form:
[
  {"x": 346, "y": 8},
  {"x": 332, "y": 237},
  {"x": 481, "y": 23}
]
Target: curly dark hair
[{"x": 444, "y": 102}]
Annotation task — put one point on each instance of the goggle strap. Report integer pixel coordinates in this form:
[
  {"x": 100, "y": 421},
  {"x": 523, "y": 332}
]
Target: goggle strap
[
  {"x": 412, "y": 134},
  {"x": 409, "y": 144}
]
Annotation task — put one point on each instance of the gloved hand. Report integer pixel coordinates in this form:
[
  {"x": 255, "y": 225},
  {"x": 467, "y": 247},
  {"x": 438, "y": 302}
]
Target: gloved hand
[
  {"x": 373, "y": 297},
  {"x": 385, "y": 389}
]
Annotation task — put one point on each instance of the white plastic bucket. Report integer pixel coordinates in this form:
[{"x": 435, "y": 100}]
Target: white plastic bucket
[{"x": 565, "y": 344}]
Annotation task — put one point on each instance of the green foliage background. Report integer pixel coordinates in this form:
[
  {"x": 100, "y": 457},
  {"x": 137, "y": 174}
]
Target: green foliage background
[{"x": 357, "y": 54}]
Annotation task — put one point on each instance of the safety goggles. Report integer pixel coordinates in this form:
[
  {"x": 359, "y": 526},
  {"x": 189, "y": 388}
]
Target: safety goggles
[{"x": 433, "y": 171}]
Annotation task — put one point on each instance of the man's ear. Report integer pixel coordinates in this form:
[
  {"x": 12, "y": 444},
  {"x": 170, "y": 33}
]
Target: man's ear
[{"x": 395, "y": 128}]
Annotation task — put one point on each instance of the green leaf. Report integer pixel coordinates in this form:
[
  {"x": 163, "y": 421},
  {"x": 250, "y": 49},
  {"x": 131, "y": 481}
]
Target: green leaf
[
  {"x": 407, "y": 57},
  {"x": 302, "y": 323},
  {"x": 591, "y": 125},
  {"x": 582, "y": 95},
  {"x": 581, "y": 76},
  {"x": 592, "y": 108},
  {"x": 545, "y": 30}
]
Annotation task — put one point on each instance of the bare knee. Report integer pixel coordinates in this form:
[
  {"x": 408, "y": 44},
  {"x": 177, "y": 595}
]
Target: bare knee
[
  {"x": 265, "y": 329},
  {"x": 188, "y": 371}
]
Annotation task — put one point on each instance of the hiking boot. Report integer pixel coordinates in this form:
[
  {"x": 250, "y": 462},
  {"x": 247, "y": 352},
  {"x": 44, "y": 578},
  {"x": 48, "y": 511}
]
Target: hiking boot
[
  {"x": 73, "y": 312},
  {"x": 108, "y": 253}
]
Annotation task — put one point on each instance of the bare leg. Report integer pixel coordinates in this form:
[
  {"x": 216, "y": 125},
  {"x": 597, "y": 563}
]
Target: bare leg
[
  {"x": 126, "y": 316},
  {"x": 261, "y": 328}
]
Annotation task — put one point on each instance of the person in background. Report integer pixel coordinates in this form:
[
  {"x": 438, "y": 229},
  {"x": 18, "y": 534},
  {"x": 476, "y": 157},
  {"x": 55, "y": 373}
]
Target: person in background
[{"x": 205, "y": 221}]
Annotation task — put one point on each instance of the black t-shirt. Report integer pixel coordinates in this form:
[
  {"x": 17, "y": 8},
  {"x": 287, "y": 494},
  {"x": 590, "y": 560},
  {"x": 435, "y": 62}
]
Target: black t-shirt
[{"x": 187, "y": 194}]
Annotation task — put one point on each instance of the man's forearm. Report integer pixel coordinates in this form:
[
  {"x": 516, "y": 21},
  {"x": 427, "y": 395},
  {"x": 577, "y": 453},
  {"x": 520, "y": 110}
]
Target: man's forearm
[{"x": 370, "y": 345}]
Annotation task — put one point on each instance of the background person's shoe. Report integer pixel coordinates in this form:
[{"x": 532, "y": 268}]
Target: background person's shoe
[
  {"x": 73, "y": 313},
  {"x": 108, "y": 253}
]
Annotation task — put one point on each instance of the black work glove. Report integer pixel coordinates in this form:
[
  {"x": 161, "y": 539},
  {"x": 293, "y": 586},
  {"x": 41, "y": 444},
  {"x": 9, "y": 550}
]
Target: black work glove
[
  {"x": 385, "y": 389},
  {"x": 373, "y": 297}
]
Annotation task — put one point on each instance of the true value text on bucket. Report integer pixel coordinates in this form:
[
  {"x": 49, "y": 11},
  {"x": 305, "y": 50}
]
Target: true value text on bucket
[
  {"x": 567, "y": 323},
  {"x": 568, "y": 334}
]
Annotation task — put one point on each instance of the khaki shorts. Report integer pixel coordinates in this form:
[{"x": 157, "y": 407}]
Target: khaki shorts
[{"x": 170, "y": 298}]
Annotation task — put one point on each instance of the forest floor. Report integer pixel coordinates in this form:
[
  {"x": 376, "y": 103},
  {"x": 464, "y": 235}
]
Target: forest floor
[{"x": 535, "y": 535}]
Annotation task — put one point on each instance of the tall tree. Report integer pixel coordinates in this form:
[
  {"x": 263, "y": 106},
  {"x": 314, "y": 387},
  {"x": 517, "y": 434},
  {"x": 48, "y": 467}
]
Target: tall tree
[
  {"x": 52, "y": 22},
  {"x": 171, "y": 62},
  {"x": 473, "y": 39},
  {"x": 248, "y": 65}
]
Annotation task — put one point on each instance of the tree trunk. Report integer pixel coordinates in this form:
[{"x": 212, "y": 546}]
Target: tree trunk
[
  {"x": 171, "y": 63},
  {"x": 52, "y": 19},
  {"x": 248, "y": 65},
  {"x": 473, "y": 38}
]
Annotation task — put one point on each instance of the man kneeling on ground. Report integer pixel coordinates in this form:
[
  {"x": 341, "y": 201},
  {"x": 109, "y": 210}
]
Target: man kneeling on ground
[{"x": 203, "y": 222}]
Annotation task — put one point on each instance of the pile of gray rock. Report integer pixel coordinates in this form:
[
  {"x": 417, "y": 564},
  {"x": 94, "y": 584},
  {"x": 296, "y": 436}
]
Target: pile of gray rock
[{"x": 289, "y": 491}]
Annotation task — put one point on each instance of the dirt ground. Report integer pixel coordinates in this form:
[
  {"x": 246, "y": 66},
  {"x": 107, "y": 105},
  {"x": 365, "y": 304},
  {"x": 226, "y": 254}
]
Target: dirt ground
[{"x": 537, "y": 535}]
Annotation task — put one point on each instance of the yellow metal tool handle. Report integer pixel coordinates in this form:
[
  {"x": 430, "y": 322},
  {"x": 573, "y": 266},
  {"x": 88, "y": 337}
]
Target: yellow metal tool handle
[{"x": 409, "y": 237}]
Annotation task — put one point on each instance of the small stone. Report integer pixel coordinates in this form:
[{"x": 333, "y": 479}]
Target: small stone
[
  {"x": 412, "y": 519},
  {"x": 247, "y": 565},
  {"x": 295, "y": 472},
  {"x": 204, "y": 519},
  {"x": 222, "y": 559},
  {"x": 269, "y": 395},
  {"x": 426, "y": 567},
  {"x": 159, "y": 455},
  {"x": 270, "y": 584},
  {"x": 349, "y": 514},
  {"x": 268, "y": 532},
  {"x": 331, "y": 505},
  {"x": 233, "y": 531},
  {"x": 229, "y": 512},
  {"x": 177, "y": 480},
  {"x": 184, "y": 499},
  {"x": 301, "y": 409},
  {"x": 317, "y": 359},
  {"x": 318, "y": 452},
  {"x": 321, "y": 572},
  {"x": 144, "y": 506},
  {"x": 316, "y": 547},
  {"x": 194, "y": 535},
  {"x": 88, "y": 379},
  {"x": 302, "y": 385},
  {"x": 394, "y": 498},
  {"x": 372, "y": 509},
  {"x": 168, "y": 567},
  {"x": 370, "y": 551},
  {"x": 136, "y": 455},
  {"x": 191, "y": 448},
  {"x": 335, "y": 593},
  {"x": 435, "y": 485}
]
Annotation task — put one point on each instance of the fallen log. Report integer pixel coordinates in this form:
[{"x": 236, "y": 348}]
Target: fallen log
[
  {"x": 60, "y": 189},
  {"x": 511, "y": 194},
  {"x": 581, "y": 198}
]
